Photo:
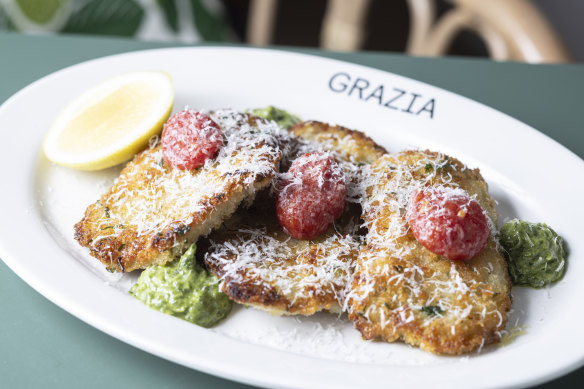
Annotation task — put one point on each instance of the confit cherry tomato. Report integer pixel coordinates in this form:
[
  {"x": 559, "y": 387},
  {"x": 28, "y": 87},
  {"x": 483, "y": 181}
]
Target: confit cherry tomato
[
  {"x": 311, "y": 195},
  {"x": 189, "y": 138},
  {"x": 448, "y": 222}
]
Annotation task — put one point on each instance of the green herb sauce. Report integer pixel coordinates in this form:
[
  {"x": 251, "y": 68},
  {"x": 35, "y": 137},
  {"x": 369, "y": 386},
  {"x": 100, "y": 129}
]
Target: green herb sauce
[
  {"x": 283, "y": 118},
  {"x": 535, "y": 253},
  {"x": 183, "y": 289}
]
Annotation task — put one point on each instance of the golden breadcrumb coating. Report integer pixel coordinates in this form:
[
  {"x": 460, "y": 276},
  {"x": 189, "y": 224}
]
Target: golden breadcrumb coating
[
  {"x": 153, "y": 211},
  {"x": 261, "y": 266},
  {"x": 401, "y": 290}
]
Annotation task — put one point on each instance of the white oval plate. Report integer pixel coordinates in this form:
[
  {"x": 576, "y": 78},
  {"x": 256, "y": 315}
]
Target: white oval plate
[{"x": 531, "y": 177}]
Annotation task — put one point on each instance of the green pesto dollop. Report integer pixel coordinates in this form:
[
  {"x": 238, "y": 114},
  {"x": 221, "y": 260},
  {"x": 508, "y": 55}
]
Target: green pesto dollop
[
  {"x": 283, "y": 118},
  {"x": 535, "y": 253},
  {"x": 183, "y": 289}
]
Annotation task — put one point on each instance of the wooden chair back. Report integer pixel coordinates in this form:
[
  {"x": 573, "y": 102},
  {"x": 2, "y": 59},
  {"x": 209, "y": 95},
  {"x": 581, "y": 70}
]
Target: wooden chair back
[{"x": 511, "y": 29}]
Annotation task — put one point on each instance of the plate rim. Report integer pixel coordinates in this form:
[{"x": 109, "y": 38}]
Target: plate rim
[{"x": 26, "y": 277}]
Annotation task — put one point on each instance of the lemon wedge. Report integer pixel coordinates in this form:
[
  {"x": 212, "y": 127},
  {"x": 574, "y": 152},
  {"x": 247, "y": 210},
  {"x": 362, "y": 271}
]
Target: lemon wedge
[{"x": 111, "y": 122}]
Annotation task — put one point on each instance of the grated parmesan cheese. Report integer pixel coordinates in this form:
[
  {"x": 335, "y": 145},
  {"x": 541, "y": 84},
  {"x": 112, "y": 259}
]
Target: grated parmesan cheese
[
  {"x": 261, "y": 266},
  {"x": 153, "y": 207},
  {"x": 403, "y": 291}
]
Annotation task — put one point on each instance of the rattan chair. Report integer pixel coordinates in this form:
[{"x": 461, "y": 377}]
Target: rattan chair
[{"x": 511, "y": 29}]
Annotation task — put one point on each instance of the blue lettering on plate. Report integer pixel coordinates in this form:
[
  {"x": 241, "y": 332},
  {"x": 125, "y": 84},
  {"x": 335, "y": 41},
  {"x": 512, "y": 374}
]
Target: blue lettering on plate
[{"x": 375, "y": 93}]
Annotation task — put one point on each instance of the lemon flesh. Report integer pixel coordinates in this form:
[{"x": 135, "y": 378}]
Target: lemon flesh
[{"x": 110, "y": 123}]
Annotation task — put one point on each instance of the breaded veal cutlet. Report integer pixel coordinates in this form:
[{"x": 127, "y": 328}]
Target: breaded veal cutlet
[
  {"x": 153, "y": 212},
  {"x": 401, "y": 290},
  {"x": 261, "y": 266}
]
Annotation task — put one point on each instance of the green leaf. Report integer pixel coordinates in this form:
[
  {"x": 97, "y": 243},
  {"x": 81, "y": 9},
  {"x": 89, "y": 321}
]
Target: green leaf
[
  {"x": 5, "y": 23},
  {"x": 170, "y": 13},
  {"x": 40, "y": 11},
  {"x": 106, "y": 17},
  {"x": 210, "y": 26}
]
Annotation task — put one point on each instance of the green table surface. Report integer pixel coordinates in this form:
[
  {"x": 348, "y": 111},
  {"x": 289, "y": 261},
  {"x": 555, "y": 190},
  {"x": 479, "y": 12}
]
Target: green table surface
[{"x": 42, "y": 346}]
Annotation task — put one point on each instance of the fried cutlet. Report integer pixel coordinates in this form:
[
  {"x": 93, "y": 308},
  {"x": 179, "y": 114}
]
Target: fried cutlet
[
  {"x": 154, "y": 211},
  {"x": 401, "y": 290},
  {"x": 261, "y": 266}
]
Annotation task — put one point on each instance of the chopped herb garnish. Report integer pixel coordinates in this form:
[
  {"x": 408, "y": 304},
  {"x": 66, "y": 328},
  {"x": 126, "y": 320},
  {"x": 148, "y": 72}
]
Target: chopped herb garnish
[
  {"x": 444, "y": 164},
  {"x": 121, "y": 247},
  {"x": 107, "y": 212},
  {"x": 182, "y": 230},
  {"x": 111, "y": 269},
  {"x": 112, "y": 227},
  {"x": 432, "y": 310}
]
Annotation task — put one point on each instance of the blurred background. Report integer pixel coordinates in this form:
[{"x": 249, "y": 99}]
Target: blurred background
[{"x": 519, "y": 30}]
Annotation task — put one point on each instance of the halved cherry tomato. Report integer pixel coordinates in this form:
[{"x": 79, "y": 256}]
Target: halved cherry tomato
[
  {"x": 448, "y": 222},
  {"x": 190, "y": 138},
  {"x": 311, "y": 195}
]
